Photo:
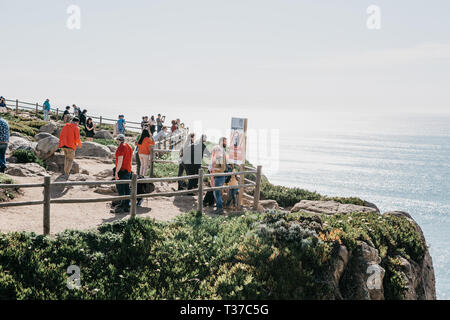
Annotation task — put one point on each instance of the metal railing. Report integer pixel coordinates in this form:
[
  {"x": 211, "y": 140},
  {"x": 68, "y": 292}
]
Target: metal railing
[{"x": 47, "y": 185}]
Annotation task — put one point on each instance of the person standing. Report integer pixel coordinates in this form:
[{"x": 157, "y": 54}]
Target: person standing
[
  {"x": 121, "y": 125},
  {"x": 83, "y": 116},
  {"x": 3, "y": 107},
  {"x": 124, "y": 155},
  {"x": 69, "y": 140},
  {"x": 46, "y": 107},
  {"x": 145, "y": 145},
  {"x": 4, "y": 140},
  {"x": 66, "y": 115},
  {"x": 159, "y": 122},
  {"x": 89, "y": 129},
  {"x": 218, "y": 165},
  {"x": 161, "y": 134},
  {"x": 152, "y": 124}
]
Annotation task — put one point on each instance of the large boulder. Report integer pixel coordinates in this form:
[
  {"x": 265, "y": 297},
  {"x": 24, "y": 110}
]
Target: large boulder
[
  {"x": 265, "y": 205},
  {"x": 16, "y": 143},
  {"x": 42, "y": 135},
  {"x": 25, "y": 170},
  {"x": 93, "y": 149},
  {"x": 49, "y": 128},
  {"x": 103, "y": 134},
  {"x": 46, "y": 147},
  {"x": 330, "y": 207},
  {"x": 112, "y": 148},
  {"x": 56, "y": 164}
]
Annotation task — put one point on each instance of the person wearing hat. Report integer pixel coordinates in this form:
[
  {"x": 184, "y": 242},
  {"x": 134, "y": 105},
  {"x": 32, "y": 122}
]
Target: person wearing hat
[
  {"x": 69, "y": 140},
  {"x": 124, "y": 155},
  {"x": 46, "y": 107}
]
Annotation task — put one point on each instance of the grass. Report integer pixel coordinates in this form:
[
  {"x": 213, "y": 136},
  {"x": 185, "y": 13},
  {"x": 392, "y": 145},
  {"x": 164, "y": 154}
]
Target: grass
[
  {"x": 7, "y": 194},
  {"x": 26, "y": 156},
  {"x": 251, "y": 256}
]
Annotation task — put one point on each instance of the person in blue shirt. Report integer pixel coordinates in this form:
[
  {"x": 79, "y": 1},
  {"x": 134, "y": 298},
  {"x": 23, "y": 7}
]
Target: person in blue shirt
[
  {"x": 4, "y": 140},
  {"x": 121, "y": 125},
  {"x": 46, "y": 110}
]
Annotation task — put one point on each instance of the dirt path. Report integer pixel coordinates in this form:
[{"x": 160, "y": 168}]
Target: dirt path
[{"x": 84, "y": 216}]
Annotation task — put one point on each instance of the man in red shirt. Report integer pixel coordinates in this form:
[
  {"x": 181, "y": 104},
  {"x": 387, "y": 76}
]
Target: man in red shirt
[
  {"x": 69, "y": 140},
  {"x": 124, "y": 154}
]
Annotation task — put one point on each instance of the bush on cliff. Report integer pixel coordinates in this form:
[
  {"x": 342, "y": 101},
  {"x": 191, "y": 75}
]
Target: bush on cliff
[{"x": 253, "y": 256}]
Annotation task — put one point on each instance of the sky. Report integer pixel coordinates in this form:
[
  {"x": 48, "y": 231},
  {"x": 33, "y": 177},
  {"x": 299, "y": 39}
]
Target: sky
[{"x": 145, "y": 57}]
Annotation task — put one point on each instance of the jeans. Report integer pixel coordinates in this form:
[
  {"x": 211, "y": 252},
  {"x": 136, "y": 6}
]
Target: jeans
[
  {"x": 124, "y": 189},
  {"x": 46, "y": 115},
  {"x": 3, "y": 148},
  {"x": 121, "y": 130},
  {"x": 218, "y": 182}
]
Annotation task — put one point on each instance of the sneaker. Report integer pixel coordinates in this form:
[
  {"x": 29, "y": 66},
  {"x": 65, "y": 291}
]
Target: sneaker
[
  {"x": 119, "y": 210},
  {"x": 139, "y": 202},
  {"x": 218, "y": 211}
]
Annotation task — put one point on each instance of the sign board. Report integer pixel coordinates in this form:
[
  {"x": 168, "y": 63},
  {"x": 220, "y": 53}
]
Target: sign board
[{"x": 237, "y": 149}]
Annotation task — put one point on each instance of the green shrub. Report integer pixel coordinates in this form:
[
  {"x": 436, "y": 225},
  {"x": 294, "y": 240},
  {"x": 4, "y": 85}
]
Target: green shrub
[
  {"x": 26, "y": 156},
  {"x": 7, "y": 194}
]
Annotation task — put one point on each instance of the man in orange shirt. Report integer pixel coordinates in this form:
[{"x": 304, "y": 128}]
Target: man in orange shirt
[
  {"x": 124, "y": 155},
  {"x": 68, "y": 141}
]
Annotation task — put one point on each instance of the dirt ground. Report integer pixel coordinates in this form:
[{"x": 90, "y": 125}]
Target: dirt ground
[{"x": 84, "y": 216}]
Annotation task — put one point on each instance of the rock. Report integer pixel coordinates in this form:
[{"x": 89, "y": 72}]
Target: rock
[
  {"x": 84, "y": 171},
  {"x": 25, "y": 170},
  {"x": 265, "y": 205},
  {"x": 78, "y": 177},
  {"x": 16, "y": 143},
  {"x": 11, "y": 159},
  {"x": 161, "y": 187},
  {"x": 93, "y": 149},
  {"x": 42, "y": 135},
  {"x": 56, "y": 164},
  {"x": 17, "y": 134},
  {"x": 103, "y": 134},
  {"x": 108, "y": 190},
  {"x": 112, "y": 148},
  {"x": 50, "y": 128},
  {"x": 47, "y": 147},
  {"x": 330, "y": 207},
  {"x": 420, "y": 275},
  {"x": 104, "y": 174}
]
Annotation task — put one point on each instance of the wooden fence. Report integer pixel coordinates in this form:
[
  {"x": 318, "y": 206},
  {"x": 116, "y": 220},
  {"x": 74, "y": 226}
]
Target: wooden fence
[
  {"x": 17, "y": 105},
  {"x": 47, "y": 185}
]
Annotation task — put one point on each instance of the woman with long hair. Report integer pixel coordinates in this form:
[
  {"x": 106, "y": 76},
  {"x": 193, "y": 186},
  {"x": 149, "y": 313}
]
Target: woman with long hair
[
  {"x": 89, "y": 129},
  {"x": 152, "y": 124},
  {"x": 145, "y": 145}
]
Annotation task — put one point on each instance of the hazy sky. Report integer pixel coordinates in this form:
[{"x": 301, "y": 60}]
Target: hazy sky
[{"x": 277, "y": 54}]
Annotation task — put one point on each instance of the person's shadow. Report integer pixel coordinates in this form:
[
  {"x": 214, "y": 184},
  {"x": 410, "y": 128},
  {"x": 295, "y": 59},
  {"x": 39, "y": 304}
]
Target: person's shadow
[{"x": 59, "y": 190}]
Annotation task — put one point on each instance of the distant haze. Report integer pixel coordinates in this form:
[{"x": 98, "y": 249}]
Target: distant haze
[{"x": 145, "y": 57}]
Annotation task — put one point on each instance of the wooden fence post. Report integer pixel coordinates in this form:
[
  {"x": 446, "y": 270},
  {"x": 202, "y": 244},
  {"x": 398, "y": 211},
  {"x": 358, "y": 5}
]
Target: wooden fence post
[
  {"x": 47, "y": 194},
  {"x": 100, "y": 122},
  {"x": 17, "y": 106},
  {"x": 257, "y": 188},
  {"x": 152, "y": 161},
  {"x": 133, "y": 195},
  {"x": 37, "y": 108},
  {"x": 200, "y": 191},
  {"x": 241, "y": 189},
  {"x": 57, "y": 112}
]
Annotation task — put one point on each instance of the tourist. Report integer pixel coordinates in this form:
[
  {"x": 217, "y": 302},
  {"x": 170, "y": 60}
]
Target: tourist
[
  {"x": 159, "y": 122},
  {"x": 174, "y": 126},
  {"x": 152, "y": 124},
  {"x": 69, "y": 139},
  {"x": 89, "y": 129},
  {"x": 3, "y": 107},
  {"x": 46, "y": 107},
  {"x": 121, "y": 125},
  {"x": 66, "y": 115},
  {"x": 83, "y": 116},
  {"x": 76, "y": 111},
  {"x": 144, "y": 122},
  {"x": 4, "y": 140},
  {"x": 218, "y": 165},
  {"x": 161, "y": 134},
  {"x": 124, "y": 154},
  {"x": 191, "y": 164},
  {"x": 145, "y": 144}
]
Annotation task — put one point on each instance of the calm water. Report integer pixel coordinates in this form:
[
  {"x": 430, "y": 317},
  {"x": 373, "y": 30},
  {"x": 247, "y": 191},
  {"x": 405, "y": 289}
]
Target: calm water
[
  {"x": 408, "y": 172},
  {"x": 398, "y": 162}
]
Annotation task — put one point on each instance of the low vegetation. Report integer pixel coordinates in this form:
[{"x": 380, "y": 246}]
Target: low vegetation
[
  {"x": 252, "y": 256},
  {"x": 7, "y": 194},
  {"x": 27, "y": 156}
]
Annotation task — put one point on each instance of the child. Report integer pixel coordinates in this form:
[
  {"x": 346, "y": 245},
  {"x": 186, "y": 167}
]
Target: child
[{"x": 232, "y": 192}]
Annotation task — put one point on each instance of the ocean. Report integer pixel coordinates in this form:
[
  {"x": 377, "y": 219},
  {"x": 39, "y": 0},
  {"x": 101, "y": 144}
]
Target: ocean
[{"x": 397, "y": 161}]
